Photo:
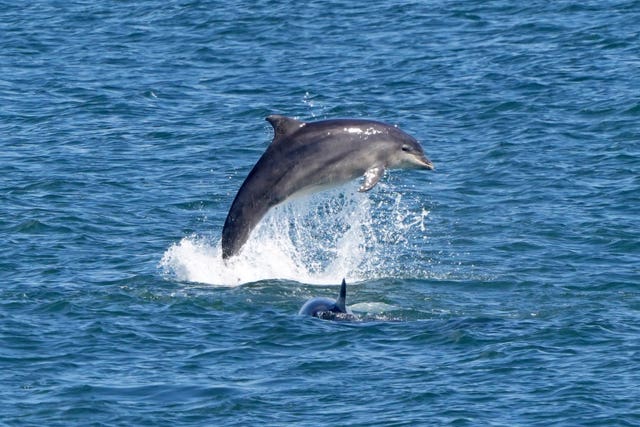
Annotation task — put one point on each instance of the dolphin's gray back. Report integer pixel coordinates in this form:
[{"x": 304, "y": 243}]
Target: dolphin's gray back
[
  {"x": 321, "y": 306},
  {"x": 318, "y": 305},
  {"x": 254, "y": 199},
  {"x": 263, "y": 188},
  {"x": 277, "y": 175}
]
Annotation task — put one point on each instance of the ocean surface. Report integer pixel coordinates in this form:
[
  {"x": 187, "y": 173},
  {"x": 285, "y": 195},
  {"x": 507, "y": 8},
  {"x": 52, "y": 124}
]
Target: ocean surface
[{"x": 501, "y": 289}]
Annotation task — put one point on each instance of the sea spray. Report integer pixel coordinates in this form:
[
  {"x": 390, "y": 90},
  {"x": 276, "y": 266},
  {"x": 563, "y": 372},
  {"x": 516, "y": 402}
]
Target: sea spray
[{"x": 315, "y": 239}]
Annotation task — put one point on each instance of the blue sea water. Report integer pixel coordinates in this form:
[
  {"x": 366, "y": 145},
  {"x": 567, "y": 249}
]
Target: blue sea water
[{"x": 501, "y": 289}]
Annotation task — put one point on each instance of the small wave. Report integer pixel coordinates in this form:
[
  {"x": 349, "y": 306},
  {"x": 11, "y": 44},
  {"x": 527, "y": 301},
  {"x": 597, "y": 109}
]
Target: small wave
[{"x": 315, "y": 239}]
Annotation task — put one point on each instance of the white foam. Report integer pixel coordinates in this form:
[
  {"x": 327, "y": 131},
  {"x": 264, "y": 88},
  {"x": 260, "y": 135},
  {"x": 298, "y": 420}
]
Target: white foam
[
  {"x": 373, "y": 307},
  {"x": 316, "y": 239}
]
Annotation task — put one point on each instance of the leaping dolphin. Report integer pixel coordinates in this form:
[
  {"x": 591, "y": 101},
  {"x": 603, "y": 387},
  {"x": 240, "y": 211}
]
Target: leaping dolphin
[
  {"x": 306, "y": 157},
  {"x": 326, "y": 308}
]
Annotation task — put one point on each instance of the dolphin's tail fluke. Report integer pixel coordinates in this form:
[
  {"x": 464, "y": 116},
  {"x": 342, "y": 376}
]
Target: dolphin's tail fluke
[{"x": 341, "y": 303}]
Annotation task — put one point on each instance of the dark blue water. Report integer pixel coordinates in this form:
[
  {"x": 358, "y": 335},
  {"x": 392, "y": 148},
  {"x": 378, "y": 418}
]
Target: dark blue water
[{"x": 501, "y": 289}]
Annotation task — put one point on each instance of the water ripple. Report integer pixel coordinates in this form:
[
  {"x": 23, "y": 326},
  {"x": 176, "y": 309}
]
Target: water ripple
[{"x": 501, "y": 289}]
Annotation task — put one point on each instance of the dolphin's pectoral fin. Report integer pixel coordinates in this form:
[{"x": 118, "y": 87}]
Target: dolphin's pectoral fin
[{"x": 371, "y": 178}]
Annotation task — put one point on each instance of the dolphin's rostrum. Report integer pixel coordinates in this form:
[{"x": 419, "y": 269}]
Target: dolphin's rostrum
[{"x": 305, "y": 157}]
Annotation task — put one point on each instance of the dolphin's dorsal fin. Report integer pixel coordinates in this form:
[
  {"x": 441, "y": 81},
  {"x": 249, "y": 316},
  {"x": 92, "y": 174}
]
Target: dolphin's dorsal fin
[
  {"x": 341, "y": 303},
  {"x": 283, "y": 126}
]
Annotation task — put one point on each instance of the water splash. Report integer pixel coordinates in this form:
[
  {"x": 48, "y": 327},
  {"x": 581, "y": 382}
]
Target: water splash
[{"x": 315, "y": 239}]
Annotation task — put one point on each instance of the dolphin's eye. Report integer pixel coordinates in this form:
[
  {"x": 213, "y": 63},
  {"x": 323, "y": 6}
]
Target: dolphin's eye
[{"x": 406, "y": 148}]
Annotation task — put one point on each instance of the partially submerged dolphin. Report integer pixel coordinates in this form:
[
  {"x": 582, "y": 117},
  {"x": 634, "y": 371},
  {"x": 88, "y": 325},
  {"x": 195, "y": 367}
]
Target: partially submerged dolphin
[
  {"x": 326, "y": 308},
  {"x": 306, "y": 157}
]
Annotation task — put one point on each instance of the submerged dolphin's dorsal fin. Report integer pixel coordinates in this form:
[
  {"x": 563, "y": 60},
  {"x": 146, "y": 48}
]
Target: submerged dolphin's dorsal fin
[
  {"x": 341, "y": 302},
  {"x": 283, "y": 126}
]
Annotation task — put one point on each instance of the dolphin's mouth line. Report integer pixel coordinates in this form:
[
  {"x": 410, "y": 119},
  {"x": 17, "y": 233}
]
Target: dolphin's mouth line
[{"x": 422, "y": 163}]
